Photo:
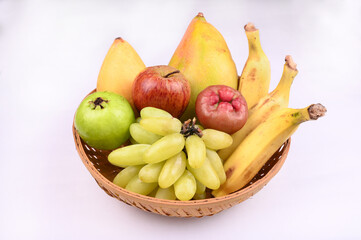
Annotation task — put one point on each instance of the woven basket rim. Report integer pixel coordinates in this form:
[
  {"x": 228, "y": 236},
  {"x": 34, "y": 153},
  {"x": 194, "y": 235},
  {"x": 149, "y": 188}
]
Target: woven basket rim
[{"x": 191, "y": 203}]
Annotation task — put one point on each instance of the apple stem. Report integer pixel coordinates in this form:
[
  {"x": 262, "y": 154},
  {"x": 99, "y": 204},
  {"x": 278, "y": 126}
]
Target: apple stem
[
  {"x": 189, "y": 128},
  {"x": 171, "y": 73},
  {"x": 98, "y": 102}
]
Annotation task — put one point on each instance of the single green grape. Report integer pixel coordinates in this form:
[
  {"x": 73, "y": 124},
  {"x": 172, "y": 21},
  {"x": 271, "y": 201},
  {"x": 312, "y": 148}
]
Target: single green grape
[
  {"x": 164, "y": 148},
  {"x": 215, "y": 140},
  {"x": 200, "y": 196},
  {"x": 137, "y": 186},
  {"x": 185, "y": 187},
  {"x": 217, "y": 165},
  {"x": 206, "y": 175},
  {"x": 150, "y": 112},
  {"x": 150, "y": 172},
  {"x": 166, "y": 193},
  {"x": 129, "y": 155},
  {"x": 172, "y": 170},
  {"x": 152, "y": 194},
  {"x": 196, "y": 151},
  {"x": 201, "y": 188},
  {"x": 140, "y": 135},
  {"x": 161, "y": 125},
  {"x": 124, "y": 176},
  {"x": 132, "y": 140}
]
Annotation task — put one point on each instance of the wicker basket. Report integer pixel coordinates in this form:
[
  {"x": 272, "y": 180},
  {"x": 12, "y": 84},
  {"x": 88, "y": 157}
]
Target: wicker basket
[{"x": 103, "y": 172}]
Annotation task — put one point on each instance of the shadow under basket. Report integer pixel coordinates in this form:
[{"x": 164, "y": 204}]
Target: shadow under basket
[{"x": 103, "y": 172}]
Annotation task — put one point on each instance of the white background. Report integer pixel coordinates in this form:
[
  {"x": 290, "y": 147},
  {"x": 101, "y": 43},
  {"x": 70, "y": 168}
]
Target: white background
[{"x": 50, "y": 55}]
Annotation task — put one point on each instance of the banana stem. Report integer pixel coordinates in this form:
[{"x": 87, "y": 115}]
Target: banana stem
[
  {"x": 289, "y": 73},
  {"x": 312, "y": 112},
  {"x": 254, "y": 44},
  {"x": 316, "y": 111}
]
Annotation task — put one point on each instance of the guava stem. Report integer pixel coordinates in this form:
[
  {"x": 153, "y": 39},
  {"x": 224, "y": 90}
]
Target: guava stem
[{"x": 98, "y": 102}]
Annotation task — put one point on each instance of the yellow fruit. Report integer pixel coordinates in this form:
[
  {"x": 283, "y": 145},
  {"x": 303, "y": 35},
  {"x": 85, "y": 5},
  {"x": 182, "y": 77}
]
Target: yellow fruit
[
  {"x": 255, "y": 79},
  {"x": 251, "y": 155},
  {"x": 273, "y": 101},
  {"x": 119, "y": 69},
  {"x": 204, "y": 59}
]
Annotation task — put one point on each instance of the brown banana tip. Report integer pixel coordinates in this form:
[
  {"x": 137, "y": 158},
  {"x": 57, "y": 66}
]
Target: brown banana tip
[
  {"x": 249, "y": 27},
  {"x": 119, "y": 39},
  {"x": 200, "y": 14},
  {"x": 290, "y": 63},
  {"x": 316, "y": 111}
]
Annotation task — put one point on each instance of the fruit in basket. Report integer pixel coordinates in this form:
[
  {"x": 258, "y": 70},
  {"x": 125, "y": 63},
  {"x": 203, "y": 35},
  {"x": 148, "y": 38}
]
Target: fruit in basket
[
  {"x": 162, "y": 87},
  {"x": 222, "y": 108},
  {"x": 217, "y": 164},
  {"x": 256, "y": 75},
  {"x": 119, "y": 69},
  {"x": 138, "y": 186},
  {"x": 206, "y": 174},
  {"x": 215, "y": 140},
  {"x": 140, "y": 135},
  {"x": 124, "y": 176},
  {"x": 185, "y": 187},
  {"x": 151, "y": 112},
  {"x": 160, "y": 125},
  {"x": 166, "y": 193},
  {"x": 204, "y": 59},
  {"x": 165, "y": 161},
  {"x": 164, "y": 148},
  {"x": 196, "y": 151},
  {"x": 262, "y": 143},
  {"x": 172, "y": 170},
  {"x": 103, "y": 119},
  {"x": 273, "y": 101},
  {"x": 129, "y": 155},
  {"x": 150, "y": 172}
]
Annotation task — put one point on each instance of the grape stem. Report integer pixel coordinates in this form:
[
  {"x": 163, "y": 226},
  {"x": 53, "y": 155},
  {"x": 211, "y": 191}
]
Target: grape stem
[{"x": 189, "y": 128}]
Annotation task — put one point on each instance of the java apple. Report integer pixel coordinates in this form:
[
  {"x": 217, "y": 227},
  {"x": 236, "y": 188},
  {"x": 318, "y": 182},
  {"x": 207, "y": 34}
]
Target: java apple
[{"x": 222, "y": 108}]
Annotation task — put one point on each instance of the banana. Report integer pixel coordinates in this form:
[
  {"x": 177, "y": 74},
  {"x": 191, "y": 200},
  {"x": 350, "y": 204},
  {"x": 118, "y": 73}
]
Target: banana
[
  {"x": 276, "y": 99},
  {"x": 262, "y": 143},
  {"x": 255, "y": 79}
]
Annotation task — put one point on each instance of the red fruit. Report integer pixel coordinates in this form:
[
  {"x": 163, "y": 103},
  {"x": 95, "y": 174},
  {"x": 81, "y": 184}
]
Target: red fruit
[
  {"x": 222, "y": 108},
  {"x": 162, "y": 87}
]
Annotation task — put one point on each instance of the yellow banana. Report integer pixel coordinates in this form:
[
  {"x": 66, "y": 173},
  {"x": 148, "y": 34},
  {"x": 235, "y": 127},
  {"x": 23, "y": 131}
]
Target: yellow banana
[
  {"x": 276, "y": 99},
  {"x": 119, "y": 69},
  {"x": 262, "y": 143},
  {"x": 255, "y": 79}
]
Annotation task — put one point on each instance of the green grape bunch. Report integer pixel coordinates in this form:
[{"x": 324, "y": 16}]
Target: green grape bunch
[{"x": 168, "y": 159}]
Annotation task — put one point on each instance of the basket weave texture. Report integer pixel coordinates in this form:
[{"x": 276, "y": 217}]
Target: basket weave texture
[
  {"x": 96, "y": 161},
  {"x": 103, "y": 172}
]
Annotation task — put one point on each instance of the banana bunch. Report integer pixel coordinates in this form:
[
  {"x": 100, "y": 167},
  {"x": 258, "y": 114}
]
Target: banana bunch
[
  {"x": 270, "y": 122},
  {"x": 254, "y": 151}
]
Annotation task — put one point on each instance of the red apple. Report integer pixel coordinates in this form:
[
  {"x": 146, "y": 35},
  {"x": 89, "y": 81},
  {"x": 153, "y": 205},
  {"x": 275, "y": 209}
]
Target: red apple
[
  {"x": 162, "y": 87},
  {"x": 222, "y": 108}
]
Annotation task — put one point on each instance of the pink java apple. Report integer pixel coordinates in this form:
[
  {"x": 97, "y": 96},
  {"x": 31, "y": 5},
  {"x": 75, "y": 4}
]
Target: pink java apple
[{"x": 222, "y": 108}]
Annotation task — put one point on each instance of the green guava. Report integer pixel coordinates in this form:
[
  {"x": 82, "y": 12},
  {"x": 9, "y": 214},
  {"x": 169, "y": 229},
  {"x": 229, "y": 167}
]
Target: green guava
[{"x": 103, "y": 119}]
